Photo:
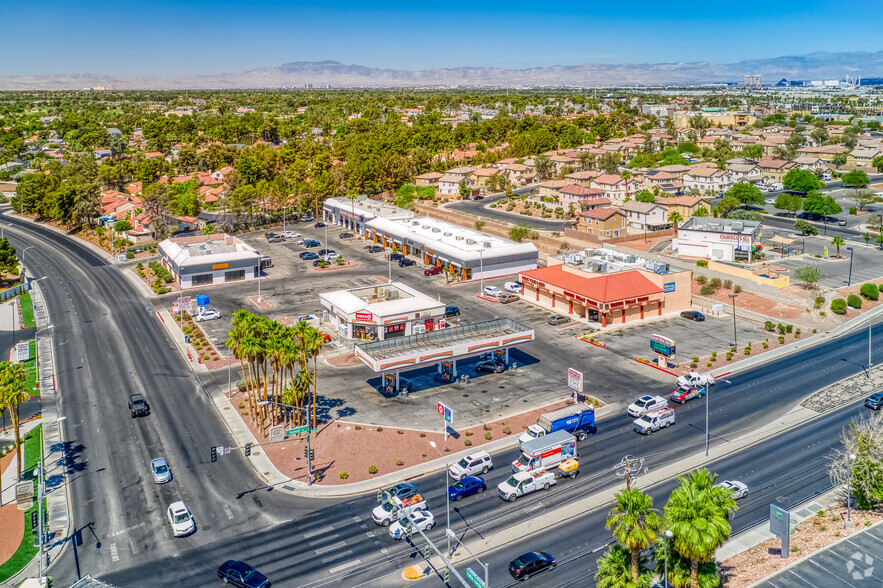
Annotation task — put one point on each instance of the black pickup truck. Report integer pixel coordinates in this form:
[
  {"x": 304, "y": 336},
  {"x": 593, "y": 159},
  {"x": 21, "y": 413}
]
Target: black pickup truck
[{"x": 138, "y": 406}]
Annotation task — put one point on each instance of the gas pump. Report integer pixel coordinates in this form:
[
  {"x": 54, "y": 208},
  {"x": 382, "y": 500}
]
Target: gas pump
[
  {"x": 447, "y": 371},
  {"x": 389, "y": 383},
  {"x": 500, "y": 356}
]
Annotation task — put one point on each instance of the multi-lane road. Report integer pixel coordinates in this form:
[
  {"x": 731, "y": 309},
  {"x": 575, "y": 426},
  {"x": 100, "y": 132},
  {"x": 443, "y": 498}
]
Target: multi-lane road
[{"x": 109, "y": 342}]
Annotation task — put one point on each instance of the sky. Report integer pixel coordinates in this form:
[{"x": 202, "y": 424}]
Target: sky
[{"x": 189, "y": 37}]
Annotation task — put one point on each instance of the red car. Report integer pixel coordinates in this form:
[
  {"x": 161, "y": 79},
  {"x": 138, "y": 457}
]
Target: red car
[
  {"x": 682, "y": 395},
  {"x": 433, "y": 271}
]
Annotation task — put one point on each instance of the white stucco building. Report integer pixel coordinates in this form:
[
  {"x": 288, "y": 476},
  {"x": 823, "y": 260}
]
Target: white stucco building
[
  {"x": 340, "y": 211},
  {"x": 717, "y": 238}
]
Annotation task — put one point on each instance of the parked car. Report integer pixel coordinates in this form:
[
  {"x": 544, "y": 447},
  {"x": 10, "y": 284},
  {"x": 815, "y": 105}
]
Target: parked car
[
  {"x": 274, "y": 238},
  {"x": 492, "y": 291},
  {"x": 181, "y": 519},
  {"x": 875, "y": 401},
  {"x": 308, "y": 255},
  {"x": 479, "y": 462},
  {"x": 346, "y": 235},
  {"x": 421, "y": 519},
  {"x": 325, "y": 251},
  {"x": 207, "y": 315},
  {"x": 290, "y": 235},
  {"x": 160, "y": 470},
  {"x": 404, "y": 262},
  {"x": 452, "y": 311},
  {"x": 693, "y": 315},
  {"x": 812, "y": 216},
  {"x": 436, "y": 269},
  {"x": 531, "y": 564},
  {"x": 832, "y": 219},
  {"x": 375, "y": 249},
  {"x": 394, "y": 256},
  {"x": 331, "y": 256},
  {"x": 306, "y": 218},
  {"x": 401, "y": 490},
  {"x": 318, "y": 261},
  {"x": 466, "y": 487},
  {"x": 513, "y": 287},
  {"x": 241, "y": 574},
  {"x": 507, "y": 298},
  {"x": 490, "y": 366},
  {"x": 320, "y": 225},
  {"x": 842, "y": 222},
  {"x": 312, "y": 243},
  {"x": 740, "y": 489},
  {"x": 558, "y": 319},
  {"x": 479, "y": 197}
]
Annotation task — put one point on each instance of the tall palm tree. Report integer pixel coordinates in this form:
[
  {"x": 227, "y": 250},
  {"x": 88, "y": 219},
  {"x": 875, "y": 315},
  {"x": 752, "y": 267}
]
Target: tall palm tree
[
  {"x": 352, "y": 195},
  {"x": 674, "y": 217},
  {"x": 303, "y": 381},
  {"x": 679, "y": 567},
  {"x": 635, "y": 524},
  {"x": 697, "y": 514},
  {"x": 615, "y": 570},
  {"x": 838, "y": 241},
  {"x": 12, "y": 395},
  {"x": 313, "y": 342}
]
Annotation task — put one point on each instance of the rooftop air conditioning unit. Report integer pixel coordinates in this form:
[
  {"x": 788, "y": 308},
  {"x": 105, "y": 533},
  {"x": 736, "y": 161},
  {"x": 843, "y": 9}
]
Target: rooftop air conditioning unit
[
  {"x": 425, "y": 227},
  {"x": 459, "y": 237},
  {"x": 470, "y": 241},
  {"x": 435, "y": 230},
  {"x": 486, "y": 244},
  {"x": 448, "y": 234}
]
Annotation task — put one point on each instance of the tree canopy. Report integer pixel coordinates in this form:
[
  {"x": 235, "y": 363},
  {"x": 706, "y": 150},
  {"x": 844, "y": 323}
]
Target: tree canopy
[{"x": 801, "y": 180}]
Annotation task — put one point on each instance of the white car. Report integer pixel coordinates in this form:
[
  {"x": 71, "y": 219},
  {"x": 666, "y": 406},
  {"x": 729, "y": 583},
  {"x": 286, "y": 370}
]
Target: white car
[
  {"x": 421, "y": 519},
  {"x": 331, "y": 256},
  {"x": 181, "y": 520},
  {"x": 300, "y": 241},
  {"x": 492, "y": 291},
  {"x": 290, "y": 235},
  {"x": 770, "y": 201},
  {"x": 646, "y": 404},
  {"x": 160, "y": 470},
  {"x": 740, "y": 489},
  {"x": 513, "y": 287},
  {"x": 474, "y": 463},
  {"x": 207, "y": 315},
  {"x": 695, "y": 380}
]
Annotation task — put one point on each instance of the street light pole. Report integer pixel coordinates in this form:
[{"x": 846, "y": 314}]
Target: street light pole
[
  {"x": 481, "y": 271},
  {"x": 869, "y": 349},
  {"x": 668, "y": 535},
  {"x": 850, "y": 458},
  {"x": 825, "y": 208},
  {"x": 735, "y": 341},
  {"x": 445, "y": 494},
  {"x": 24, "y": 257},
  {"x": 851, "y": 253}
]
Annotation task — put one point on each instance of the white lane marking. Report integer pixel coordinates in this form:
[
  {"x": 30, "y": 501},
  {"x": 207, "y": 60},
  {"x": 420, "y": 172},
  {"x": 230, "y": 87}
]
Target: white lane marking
[
  {"x": 316, "y": 533},
  {"x": 357, "y": 519},
  {"x": 349, "y": 564},
  {"x": 228, "y": 511},
  {"x": 331, "y": 536},
  {"x": 331, "y": 547},
  {"x": 114, "y": 555},
  {"x": 370, "y": 533},
  {"x": 338, "y": 556},
  {"x": 384, "y": 551},
  {"x": 126, "y": 530}
]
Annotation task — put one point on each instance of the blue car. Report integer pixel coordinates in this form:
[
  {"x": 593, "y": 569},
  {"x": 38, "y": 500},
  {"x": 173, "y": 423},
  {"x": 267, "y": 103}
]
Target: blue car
[
  {"x": 466, "y": 487},
  {"x": 308, "y": 255}
]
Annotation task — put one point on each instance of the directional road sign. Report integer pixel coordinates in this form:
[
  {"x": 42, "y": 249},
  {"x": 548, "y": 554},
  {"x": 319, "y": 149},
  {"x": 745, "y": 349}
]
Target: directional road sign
[{"x": 473, "y": 577}]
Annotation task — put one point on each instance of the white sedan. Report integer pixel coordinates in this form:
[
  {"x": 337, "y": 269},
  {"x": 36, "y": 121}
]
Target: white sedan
[
  {"x": 695, "y": 380},
  {"x": 740, "y": 489},
  {"x": 492, "y": 291},
  {"x": 421, "y": 519},
  {"x": 181, "y": 519},
  {"x": 207, "y": 315},
  {"x": 513, "y": 287},
  {"x": 290, "y": 235}
]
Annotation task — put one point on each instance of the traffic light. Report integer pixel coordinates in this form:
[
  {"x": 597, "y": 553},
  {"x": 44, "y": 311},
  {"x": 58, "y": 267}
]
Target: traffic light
[
  {"x": 306, "y": 453},
  {"x": 446, "y": 575},
  {"x": 409, "y": 530},
  {"x": 379, "y": 495},
  {"x": 426, "y": 551},
  {"x": 247, "y": 449},
  {"x": 214, "y": 454},
  {"x": 312, "y": 455}
]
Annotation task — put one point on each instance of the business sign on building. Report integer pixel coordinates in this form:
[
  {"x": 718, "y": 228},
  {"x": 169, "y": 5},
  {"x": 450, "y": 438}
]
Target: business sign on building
[
  {"x": 662, "y": 345},
  {"x": 364, "y": 316},
  {"x": 668, "y": 287}
]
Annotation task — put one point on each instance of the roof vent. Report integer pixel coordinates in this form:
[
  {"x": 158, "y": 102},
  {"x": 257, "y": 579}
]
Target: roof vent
[{"x": 425, "y": 227}]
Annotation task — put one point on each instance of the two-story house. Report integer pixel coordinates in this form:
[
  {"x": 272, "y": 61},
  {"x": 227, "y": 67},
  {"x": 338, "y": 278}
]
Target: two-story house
[
  {"x": 602, "y": 222},
  {"x": 645, "y": 216},
  {"x": 616, "y": 188}
]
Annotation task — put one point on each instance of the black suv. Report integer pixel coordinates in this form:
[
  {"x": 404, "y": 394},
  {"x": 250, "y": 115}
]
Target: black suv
[
  {"x": 138, "y": 406},
  {"x": 405, "y": 262},
  {"x": 875, "y": 401}
]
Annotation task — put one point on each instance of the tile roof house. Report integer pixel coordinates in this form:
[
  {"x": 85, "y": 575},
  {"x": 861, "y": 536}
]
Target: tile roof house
[
  {"x": 583, "y": 178},
  {"x": 602, "y": 222},
  {"x": 576, "y": 195},
  {"x": 708, "y": 179},
  {"x": 616, "y": 188},
  {"x": 428, "y": 179},
  {"x": 645, "y": 216},
  {"x": 774, "y": 170},
  {"x": 862, "y": 157},
  {"x": 222, "y": 173},
  {"x": 449, "y": 184},
  {"x": 686, "y": 206}
]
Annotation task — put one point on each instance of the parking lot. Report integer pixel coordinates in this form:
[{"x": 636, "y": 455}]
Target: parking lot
[
  {"x": 867, "y": 263},
  {"x": 292, "y": 286}
]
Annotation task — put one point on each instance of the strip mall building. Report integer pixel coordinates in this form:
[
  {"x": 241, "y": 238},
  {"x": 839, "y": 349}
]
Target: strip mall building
[{"x": 607, "y": 292}]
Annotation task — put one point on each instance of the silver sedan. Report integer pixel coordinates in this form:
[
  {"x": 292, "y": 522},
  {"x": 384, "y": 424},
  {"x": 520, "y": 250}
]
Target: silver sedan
[{"x": 161, "y": 471}]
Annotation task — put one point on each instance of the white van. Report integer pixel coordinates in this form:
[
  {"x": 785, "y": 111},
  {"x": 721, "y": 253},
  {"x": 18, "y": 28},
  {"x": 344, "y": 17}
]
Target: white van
[{"x": 474, "y": 463}]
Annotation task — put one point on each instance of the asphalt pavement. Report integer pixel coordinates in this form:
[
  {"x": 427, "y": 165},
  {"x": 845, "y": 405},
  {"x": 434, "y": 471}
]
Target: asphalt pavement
[{"x": 481, "y": 208}]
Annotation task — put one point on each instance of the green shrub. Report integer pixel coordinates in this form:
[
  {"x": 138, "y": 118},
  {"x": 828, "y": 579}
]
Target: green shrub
[
  {"x": 707, "y": 290},
  {"x": 769, "y": 326},
  {"x": 838, "y": 306},
  {"x": 853, "y": 210},
  {"x": 781, "y": 340},
  {"x": 400, "y": 462},
  {"x": 853, "y": 301},
  {"x": 701, "y": 280},
  {"x": 870, "y": 291},
  {"x": 729, "y": 355},
  {"x": 819, "y": 301},
  {"x": 467, "y": 442},
  {"x": 488, "y": 436},
  {"x": 789, "y": 328},
  {"x": 728, "y": 284},
  {"x": 716, "y": 283},
  {"x": 781, "y": 328},
  {"x": 766, "y": 345},
  {"x": 702, "y": 262},
  {"x": 737, "y": 288},
  {"x": 748, "y": 351},
  {"x": 695, "y": 358},
  {"x": 372, "y": 469},
  {"x": 507, "y": 431},
  {"x": 694, "y": 365}
]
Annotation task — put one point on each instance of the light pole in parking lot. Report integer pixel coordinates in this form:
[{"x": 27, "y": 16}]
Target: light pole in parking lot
[
  {"x": 850, "y": 459},
  {"x": 851, "y": 253},
  {"x": 668, "y": 535},
  {"x": 825, "y": 208},
  {"x": 445, "y": 494},
  {"x": 481, "y": 271}
]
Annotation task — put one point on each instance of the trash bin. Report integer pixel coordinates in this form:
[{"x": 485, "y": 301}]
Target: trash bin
[{"x": 186, "y": 338}]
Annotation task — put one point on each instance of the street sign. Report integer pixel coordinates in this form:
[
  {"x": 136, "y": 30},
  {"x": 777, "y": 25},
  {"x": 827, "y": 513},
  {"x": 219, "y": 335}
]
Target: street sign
[
  {"x": 226, "y": 451},
  {"x": 662, "y": 345},
  {"x": 24, "y": 495},
  {"x": 575, "y": 380},
  {"x": 446, "y": 412},
  {"x": 299, "y": 430},
  {"x": 277, "y": 433},
  {"x": 780, "y": 526},
  {"x": 219, "y": 450},
  {"x": 23, "y": 351},
  {"x": 473, "y": 577}
]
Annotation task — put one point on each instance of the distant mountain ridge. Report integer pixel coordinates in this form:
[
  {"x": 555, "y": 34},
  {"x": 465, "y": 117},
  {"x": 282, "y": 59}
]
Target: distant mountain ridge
[{"x": 814, "y": 66}]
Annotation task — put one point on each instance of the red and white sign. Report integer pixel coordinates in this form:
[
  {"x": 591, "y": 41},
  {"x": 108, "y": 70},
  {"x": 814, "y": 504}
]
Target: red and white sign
[
  {"x": 364, "y": 316},
  {"x": 575, "y": 380}
]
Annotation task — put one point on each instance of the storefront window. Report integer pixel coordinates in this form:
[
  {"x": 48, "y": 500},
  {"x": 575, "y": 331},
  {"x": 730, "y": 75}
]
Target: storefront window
[
  {"x": 365, "y": 332},
  {"x": 394, "y": 331}
]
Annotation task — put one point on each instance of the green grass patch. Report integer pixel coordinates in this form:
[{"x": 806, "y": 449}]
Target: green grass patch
[
  {"x": 26, "y": 550},
  {"x": 27, "y": 310},
  {"x": 31, "y": 370}
]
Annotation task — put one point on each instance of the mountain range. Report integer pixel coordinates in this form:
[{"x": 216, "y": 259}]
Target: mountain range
[{"x": 321, "y": 74}]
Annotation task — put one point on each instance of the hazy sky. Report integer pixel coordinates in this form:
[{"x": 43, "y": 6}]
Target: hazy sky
[{"x": 171, "y": 38}]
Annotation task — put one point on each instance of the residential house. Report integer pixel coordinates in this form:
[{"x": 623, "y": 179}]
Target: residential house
[
  {"x": 482, "y": 175},
  {"x": 826, "y": 152},
  {"x": 551, "y": 188},
  {"x": 862, "y": 157},
  {"x": 576, "y": 194},
  {"x": 428, "y": 179},
  {"x": 463, "y": 171},
  {"x": 582, "y": 178},
  {"x": 707, "y": 179},
  {"x": 505, "y": 163},
  {"x": 645, "y": 216},
  {"x": 774, "y": 170},
  {"x": 686, "y": 206},
  {"x": 520, "y": 174},
  {"x": 602, "y": 222},
  {"x": 810, "y": 162},
  {"x": 563, "y": 161},
  {"x": 449, "y": 184},
  {"x": 222, "y": 173},
  {"x": 616, "y": 188}
]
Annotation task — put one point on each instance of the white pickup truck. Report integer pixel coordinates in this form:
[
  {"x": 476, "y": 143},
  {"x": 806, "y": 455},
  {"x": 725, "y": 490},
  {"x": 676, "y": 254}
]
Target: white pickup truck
[
  {"x": 393, "y": 510},
  {"x": 524, "y": 483},
  {"x": 655, "y": 420}
]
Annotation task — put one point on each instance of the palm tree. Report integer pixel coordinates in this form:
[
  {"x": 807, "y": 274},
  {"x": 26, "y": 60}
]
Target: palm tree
[
  {"x": 635, "y": 524},
  {"x": 313, "y": 342},
  {"x": 352, "y": 195},
  {"x": 674, "y": 217},
  {"x": 12, "y": 395},
  {"x": 615, "y": 570},
  {"x": 838, "y": 241},
  {"x": 697, "y": 515},
  {"x": 679, "y": 567}
]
